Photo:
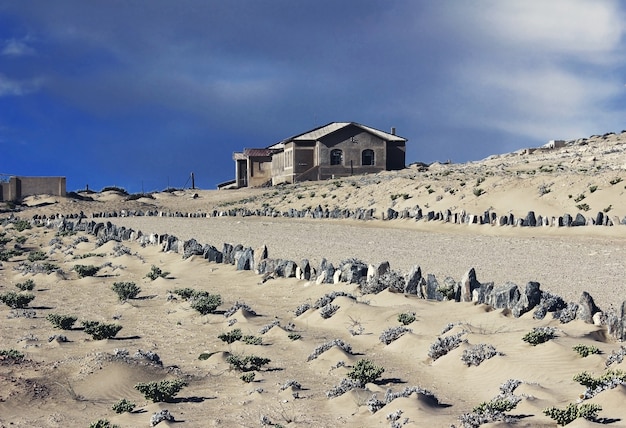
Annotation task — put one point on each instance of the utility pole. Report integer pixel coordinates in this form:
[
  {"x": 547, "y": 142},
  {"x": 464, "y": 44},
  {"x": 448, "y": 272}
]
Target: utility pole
[{"x": 193, "y": 181}]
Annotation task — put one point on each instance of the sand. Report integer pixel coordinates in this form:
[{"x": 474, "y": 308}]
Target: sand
[{"x": 75, "y": 382}]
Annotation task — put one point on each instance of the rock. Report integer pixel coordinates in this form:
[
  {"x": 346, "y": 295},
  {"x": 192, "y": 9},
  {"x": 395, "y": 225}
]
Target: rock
[
  {"x": 353, "y": 271},
  {"x": 192, "y": 248},
  {"x": 579, "y": 220},
  {"x": 212, "y": 254},
  {"x": 244, "y": 259},
  {"x": 530, "y": 219},
  {"x": 504, "y": 296},
  {"x": 413, "y": 281},
  {"x": 586, "y": 308},
  {"x": 528, "y": 300},
  {"x": 305, "y": 268},
  {"x": 468, "y": 284},
  {"x": 259, "y": 254}
]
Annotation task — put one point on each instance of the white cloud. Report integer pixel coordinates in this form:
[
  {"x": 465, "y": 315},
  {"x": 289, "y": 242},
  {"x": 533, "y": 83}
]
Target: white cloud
[
  {"x": 540, "y": 69},
  {"x": 11, "y": 87},
  {"x": 14, "y": 47}
]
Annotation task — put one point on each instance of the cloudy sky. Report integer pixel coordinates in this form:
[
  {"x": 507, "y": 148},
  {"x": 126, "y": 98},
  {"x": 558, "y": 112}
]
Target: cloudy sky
[{"x": 139, "y": 94}]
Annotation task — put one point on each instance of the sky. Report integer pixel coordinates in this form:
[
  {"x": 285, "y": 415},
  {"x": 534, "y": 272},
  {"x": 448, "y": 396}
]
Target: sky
[{"x": 140, "y": 94}]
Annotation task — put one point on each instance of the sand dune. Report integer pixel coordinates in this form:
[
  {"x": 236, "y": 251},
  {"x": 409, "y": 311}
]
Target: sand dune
[{"x": 74, "y": 380}]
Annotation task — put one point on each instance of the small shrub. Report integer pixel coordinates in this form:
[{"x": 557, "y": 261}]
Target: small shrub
[
  {"x": 247, "y": 363},
  {"x": 35, "y": 256},
  {"x": 294, "y": 336},
  {"x": 478, "y": 191},
  {"x": 328, "y": 311},
  {"x": 593, "y": 189},
  {"x": 64, "y": 322},
  {"x": 5, "y": 255},
  {"x": 163, "y": 391},
  {"x": 11, "y": 354},
  {"x": 615, "y": 180},
  {"x": 230, "y": 337},
  {"x": 125, "y": 290},
  {"x": 205, "y": 356},
  {"x": 475, "y": 355},
  {"x": 22, "y": 225},
  {"x": 123, "y": 406},
  {"x": 100, "y": 331},
  {"x": 583, "y": 207},
  {"x": 579, "y": 197},
  {"x": 27, "y": 285},
  {"x": 247, "y": 377},
  {"x": 16, "y": 300},
  {"x": 406, "y": 318},
  {"x": 393, "y": 333},
  {"x": 103, "y": 423},
  {"x": 156, "y": 272},
  {"x": 344, "y": 386},
  {"x": 185, "y": 293},
  {"x": 499, "y": 405},
  {"x": 346, "y": 347},
  {"x": 539, "y": 335},
  {"x": 252, "y": 340},
  {"x": 585, "y": 350},
  {"x": 365, "y": 371},
  {"x": 206, "y": 303},
  {"x": 607, "y": 380},
  {"x": 86, "y": 270},
  {"x": 114, "y": 189},
  {"x": 443, "y": 345},
  {"x": 607, "y": 209},
  {"x": 573, "y": 411}
]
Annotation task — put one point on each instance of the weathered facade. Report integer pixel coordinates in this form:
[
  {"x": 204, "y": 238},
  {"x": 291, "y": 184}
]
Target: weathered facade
[
  {"x": 338, "y": 149},
  {"x": 253, "y": 167},
  {"x": 18, "y": 188}
]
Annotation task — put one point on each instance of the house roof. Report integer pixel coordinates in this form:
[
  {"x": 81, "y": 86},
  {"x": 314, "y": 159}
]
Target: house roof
[
  {"x": 322, "y": 131},
  {"x": 254, "y": 153}
]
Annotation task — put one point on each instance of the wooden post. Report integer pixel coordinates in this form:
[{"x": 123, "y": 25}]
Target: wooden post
[{"x": 193, "y": 181}]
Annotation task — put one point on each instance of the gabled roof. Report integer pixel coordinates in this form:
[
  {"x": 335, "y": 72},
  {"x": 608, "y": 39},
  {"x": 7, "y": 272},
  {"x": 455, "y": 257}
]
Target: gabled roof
[{"x": 322, "y": 131}]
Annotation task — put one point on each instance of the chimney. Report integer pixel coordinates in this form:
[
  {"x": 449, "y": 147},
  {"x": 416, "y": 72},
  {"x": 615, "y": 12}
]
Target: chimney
[{"x": 393, "y": 130}]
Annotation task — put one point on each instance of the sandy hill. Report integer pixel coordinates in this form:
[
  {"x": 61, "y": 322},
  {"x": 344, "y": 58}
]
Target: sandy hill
[{"x": 489, "y": 375}]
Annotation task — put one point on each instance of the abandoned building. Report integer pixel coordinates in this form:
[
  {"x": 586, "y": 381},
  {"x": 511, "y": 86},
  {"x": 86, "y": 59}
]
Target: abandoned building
[
  {"x": 15, "y": 188},
  {"x": 338, "y": 149}
]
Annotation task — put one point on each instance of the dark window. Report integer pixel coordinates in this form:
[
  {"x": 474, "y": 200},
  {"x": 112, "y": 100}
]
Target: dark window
[
  {"x": 367, "y": 157},
  {"x": 336, "y": 157}
]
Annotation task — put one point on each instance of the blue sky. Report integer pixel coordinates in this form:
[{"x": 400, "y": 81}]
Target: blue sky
[{"x": 139, "y": 94}]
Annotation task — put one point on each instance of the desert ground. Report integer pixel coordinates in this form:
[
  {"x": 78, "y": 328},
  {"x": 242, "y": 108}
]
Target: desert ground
[{"x": 52, "y": 377}]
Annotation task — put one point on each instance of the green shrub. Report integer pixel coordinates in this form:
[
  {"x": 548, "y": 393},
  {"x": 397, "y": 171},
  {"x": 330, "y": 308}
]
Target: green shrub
[
  {"x": 163, "y": 391},
  {"x": 252, "y": 340},
  {"x": 21, "y": 240},
  {"x": 86, "y": 270},
  {"x": 231, "y": 337},
  {"x": 123, "y": 406},
  {"x": 22, "y": 225},
  {"x": 35, "y": 256},
  {"x": 205, "y": 356},
  {"x": 585, "y": 350},
  {"x": 579, "y": 197},
  {"x": 365, "y": 371},
  {"x": 156, "y": 272},
  {"x": 539, "y": 335},
  {"x": 27, "y": 285},
  {"x": 16, "y": 300},
  {"x": 606, "y": 378},
  {"x": 247, "y": 377},
  {"x": 5, "y": 255},
  {"x": 11, "y": 354},
  {"x": 593, "y": 189},
  {"x": 294, "y": 336},
  {"x": 102, "y": 423},
  {"x": 206, "y": 304},
  {"x": 583, "y": 207},
  {"x": 247, "y": 363},
  {"x": 125, "y": 290},
  {"x": 100, "y": 331},
  {"x": 114, "y": 189},
  {"x": 588, "y": 411},
  {"x": 615, "y": 180},
  {"x": 185, "y": 293},
  {"x": 406, "y": 318},
  {"x": 499, "y": 405},
  {"x": 64, "y": 322}
]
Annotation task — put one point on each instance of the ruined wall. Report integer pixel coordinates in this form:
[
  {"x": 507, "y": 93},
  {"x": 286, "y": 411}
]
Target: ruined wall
[{"x": 19, "y": 187}]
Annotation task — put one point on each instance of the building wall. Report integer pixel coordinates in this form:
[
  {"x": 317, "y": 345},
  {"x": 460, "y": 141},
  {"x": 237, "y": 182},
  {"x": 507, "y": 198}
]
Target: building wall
[
  {"x": 20, "y": 187},
  {"x": 259, "y": 171}
]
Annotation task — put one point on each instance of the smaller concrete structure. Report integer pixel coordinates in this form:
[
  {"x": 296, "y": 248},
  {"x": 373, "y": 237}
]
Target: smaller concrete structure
[{"x": 17, "y": 188}]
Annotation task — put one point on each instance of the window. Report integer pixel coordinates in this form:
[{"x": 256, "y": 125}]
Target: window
[
  {"x": 336, "y": 157},
  {"x": 367, "y": 157}
]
